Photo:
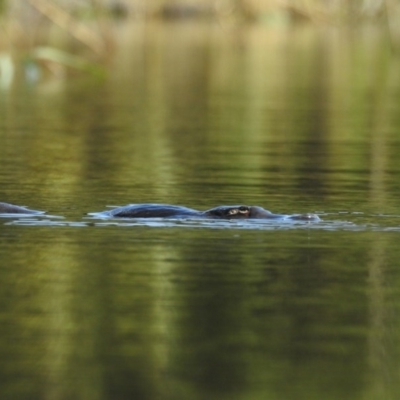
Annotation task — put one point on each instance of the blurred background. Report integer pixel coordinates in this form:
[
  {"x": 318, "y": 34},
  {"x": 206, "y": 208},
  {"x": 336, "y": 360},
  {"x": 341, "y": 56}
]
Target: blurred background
[{"x": 308, "y": 88}]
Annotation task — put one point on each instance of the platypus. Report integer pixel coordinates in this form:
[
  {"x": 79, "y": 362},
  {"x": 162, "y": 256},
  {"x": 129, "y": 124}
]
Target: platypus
[{"x": 221, "y": 212}]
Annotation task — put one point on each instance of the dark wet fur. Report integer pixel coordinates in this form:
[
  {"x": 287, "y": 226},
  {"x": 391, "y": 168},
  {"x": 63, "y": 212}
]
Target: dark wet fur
[{"x": 152, "y": 211}]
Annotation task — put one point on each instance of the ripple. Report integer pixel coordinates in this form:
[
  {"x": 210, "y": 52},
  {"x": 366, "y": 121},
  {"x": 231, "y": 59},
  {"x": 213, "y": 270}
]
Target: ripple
[{"x": 360, "y": 222}]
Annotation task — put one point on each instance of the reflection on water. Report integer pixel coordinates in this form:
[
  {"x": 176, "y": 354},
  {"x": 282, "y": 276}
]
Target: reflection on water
[
  {"x": 172, "y": 312},
  {"x": 302, "y": 121}
]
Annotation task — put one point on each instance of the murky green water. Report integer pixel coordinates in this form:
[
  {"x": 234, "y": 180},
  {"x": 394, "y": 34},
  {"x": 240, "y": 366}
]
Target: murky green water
[{"x": 295, "y": 122}]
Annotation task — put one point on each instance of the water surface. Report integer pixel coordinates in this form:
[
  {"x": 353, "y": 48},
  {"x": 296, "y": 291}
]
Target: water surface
[{"x": 296, "y": 122}]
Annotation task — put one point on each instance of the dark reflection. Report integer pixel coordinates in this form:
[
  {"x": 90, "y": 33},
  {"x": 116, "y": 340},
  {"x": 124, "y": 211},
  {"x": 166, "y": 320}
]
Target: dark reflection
[
  {"x": 212, "y": 318},
  {"x": 263, "y": 308}
]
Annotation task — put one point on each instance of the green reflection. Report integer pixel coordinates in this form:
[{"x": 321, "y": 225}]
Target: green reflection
[{"x": 189, "y": 314}]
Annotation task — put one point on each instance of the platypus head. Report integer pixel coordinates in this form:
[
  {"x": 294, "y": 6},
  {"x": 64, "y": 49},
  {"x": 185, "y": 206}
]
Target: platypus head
[
  {"x": 255, "y": 212},
  {"x": 237, "y": 212}
]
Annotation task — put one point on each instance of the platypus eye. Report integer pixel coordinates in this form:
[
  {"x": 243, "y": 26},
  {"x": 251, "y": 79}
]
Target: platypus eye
[{"x": 239, "y": 210}]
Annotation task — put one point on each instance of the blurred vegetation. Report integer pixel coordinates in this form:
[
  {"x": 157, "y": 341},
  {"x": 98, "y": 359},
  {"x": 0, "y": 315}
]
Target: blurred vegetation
[
  {"x": 322, "y": 11},
  {"x": 63, "y": 36}
]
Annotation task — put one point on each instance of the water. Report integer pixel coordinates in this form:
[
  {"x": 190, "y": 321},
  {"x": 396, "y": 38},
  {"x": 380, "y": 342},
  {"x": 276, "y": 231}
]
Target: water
[{"x": 160, "y": 309}]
